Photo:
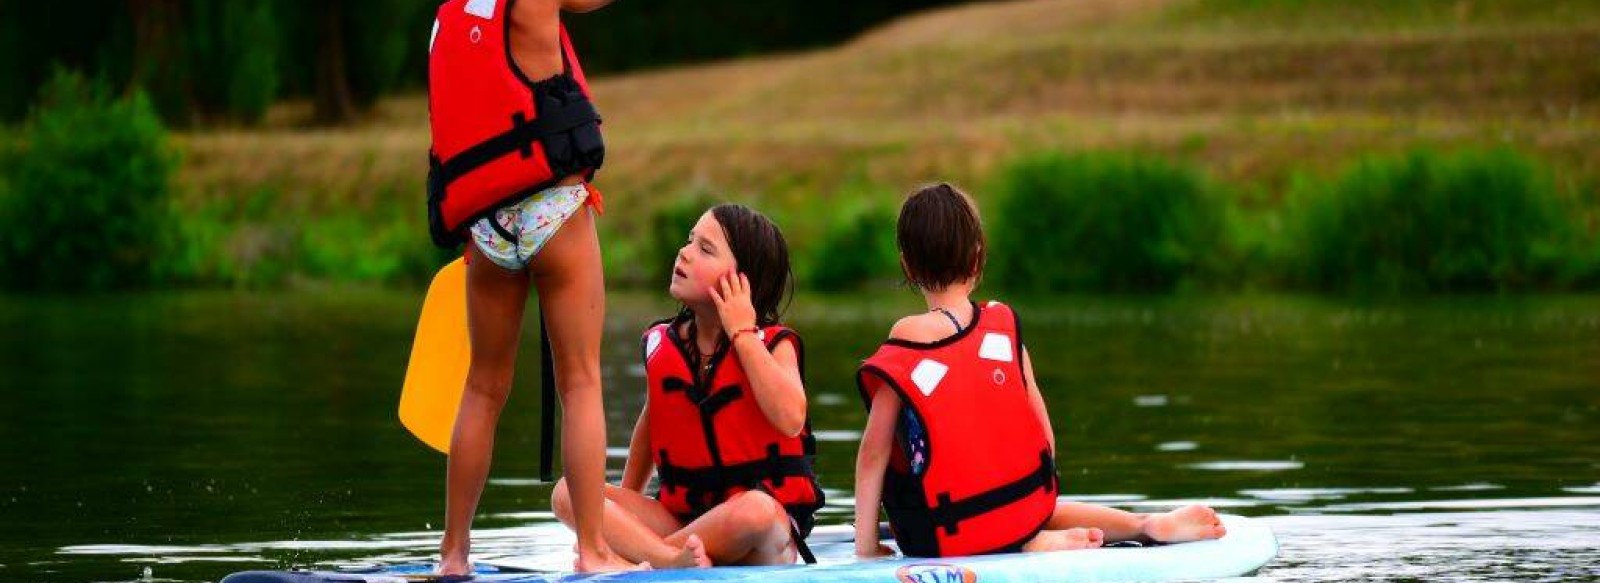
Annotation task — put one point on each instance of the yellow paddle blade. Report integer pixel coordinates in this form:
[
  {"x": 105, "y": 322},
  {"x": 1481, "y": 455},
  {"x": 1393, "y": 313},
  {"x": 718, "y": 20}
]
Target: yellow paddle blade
[{"x": 440, "y": 354}]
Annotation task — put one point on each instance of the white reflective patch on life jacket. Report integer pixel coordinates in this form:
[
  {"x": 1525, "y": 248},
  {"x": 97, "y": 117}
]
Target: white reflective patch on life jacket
[
  {"x": 434, "y": 35},
  {"x": 991, "y": 304},
  {"x": 996, "y": 346},
  {"x": 481, "y": 8},
  {"x": 927, "y": 375},
  {"x": 651, "y": 343}
]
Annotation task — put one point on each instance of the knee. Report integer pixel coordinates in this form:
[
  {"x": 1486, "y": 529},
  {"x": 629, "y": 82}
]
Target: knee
[
  {"x": 561, "y": 501},
  {"x": 494, "y": 388},
  {"x": 578, "y": 379},
  {"x": 757, "y": 508}
]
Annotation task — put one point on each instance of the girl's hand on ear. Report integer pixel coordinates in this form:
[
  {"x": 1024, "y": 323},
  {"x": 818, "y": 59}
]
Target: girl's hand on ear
[{"x": 732, "y": 297}]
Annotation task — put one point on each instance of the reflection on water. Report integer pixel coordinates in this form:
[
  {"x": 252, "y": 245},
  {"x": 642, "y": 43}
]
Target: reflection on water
[{"x": 199, "y": 434}]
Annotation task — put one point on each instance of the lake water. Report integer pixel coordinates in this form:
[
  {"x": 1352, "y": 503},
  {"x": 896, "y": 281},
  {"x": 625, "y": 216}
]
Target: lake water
[{"x": 184, "y": 436}]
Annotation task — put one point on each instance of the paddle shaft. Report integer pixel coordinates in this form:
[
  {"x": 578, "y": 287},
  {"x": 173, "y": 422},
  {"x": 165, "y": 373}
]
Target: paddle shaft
[{"x": 547, "y": 403}]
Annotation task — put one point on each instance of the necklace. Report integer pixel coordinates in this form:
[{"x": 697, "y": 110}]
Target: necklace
[{"x": 704, "y": 361}]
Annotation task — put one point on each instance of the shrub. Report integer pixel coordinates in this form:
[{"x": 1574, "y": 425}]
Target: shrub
[
  {"x": 1100, "y": 222},
  {"x": 857, "y": 246},
  {"x": 1471, "y": 221},
  {"x": 89, "y": 193}
]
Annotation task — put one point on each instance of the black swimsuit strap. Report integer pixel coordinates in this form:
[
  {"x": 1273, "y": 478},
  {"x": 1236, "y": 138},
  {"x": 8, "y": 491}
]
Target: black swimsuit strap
[{"x": 953, "y": 320}]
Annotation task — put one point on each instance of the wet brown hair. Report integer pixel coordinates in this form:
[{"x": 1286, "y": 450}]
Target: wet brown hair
[
  {"x": 940, "y": 237},
  {"x": 762, "y": 254}
]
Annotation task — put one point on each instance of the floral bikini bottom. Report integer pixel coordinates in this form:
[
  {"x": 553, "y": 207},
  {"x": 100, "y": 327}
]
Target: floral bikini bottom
[{"x": 515, "y": 233}]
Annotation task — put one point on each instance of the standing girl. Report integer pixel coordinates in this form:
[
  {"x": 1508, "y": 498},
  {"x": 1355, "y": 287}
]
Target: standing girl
[{"x": 515, "y": 141}]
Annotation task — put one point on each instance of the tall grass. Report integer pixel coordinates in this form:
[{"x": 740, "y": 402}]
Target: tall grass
[
  {"x": 1101, "y": 222},
  {"x": 248, "y": 240},
  {"x": 1374, "y": 14},
  {"x": 1469, "y": 221}
]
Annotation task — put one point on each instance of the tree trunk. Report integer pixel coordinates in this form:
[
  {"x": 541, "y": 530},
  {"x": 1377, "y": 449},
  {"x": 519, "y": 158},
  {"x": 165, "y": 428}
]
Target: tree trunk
[
  {"x": 158, "y": 60},
  {"x": 334, "y": 103}
]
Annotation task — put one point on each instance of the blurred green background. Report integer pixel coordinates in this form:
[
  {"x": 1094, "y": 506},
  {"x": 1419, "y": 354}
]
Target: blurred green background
[
  {"x": 1367, "y": 146},
  {"x": 1230, "y": 226}
]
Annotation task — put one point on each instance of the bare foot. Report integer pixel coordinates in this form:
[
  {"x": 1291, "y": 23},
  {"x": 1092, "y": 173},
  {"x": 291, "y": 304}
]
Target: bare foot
[
  {"x": 1189, "y": 523},
  {"x": 1071, "y": 539},
  {"x": 605, "y": 562},
  {"x": 691, "y": 555},
  {"x": 455, "y": 567},
  {"x": 453, "y": 560}
]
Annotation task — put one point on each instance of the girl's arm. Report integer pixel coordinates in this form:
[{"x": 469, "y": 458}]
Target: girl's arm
[
  {"x": 871, "y": 461},
  {"x": 636, "y": 473},
  {"x": 774, "y": 376},
  {"x": 583, "y": 5},
  {"x": 775, "y": 379},
  {"x": 1037, "y": 400}
]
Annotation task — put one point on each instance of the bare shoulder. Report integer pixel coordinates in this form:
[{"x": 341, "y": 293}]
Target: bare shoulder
[
  {"x": 534, "y": 12},
  {"x": 919, "y": 328}
]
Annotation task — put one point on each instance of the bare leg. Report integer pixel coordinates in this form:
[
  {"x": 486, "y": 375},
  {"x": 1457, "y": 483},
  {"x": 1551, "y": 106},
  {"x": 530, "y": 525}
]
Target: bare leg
[
  {"x": 495, "y": 301},
  {"x": 635, "y": 527},
  {"x": 751, "y": 528},
  {"x": 572, "y": 294},
  {"x": 1184, "y": 524}
]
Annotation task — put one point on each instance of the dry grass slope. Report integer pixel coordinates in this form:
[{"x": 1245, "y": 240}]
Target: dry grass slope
[{"x": 1251, "y": 93}]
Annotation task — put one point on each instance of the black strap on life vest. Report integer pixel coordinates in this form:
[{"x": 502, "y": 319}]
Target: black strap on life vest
[
  {"x": 519, "y": 138},
  {"x": 709, "y": 405},
  {"x": 707, "y": 486},
  {"x": 800, "y": 545},
  {"x": 774, "y": 468},
  {"x": 948, "y": 514}
]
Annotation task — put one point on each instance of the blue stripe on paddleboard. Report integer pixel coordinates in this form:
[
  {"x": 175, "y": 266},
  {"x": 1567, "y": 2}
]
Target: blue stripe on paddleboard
[{"x": 1248, "y": 545}]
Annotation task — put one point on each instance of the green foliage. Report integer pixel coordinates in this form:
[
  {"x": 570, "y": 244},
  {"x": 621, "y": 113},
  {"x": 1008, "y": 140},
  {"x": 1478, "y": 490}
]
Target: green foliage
[
  {"x": 88, "y": 198},
  {"x": 380, "y": 35},
  {"x": 36, "y": 37},
  {"x": 233, "y": 48},
  {"x": 857, "y": 246},
  {"x": 250, "y": 241},
  {"x": 1100, "y": 222},
  {"x": 364, "y": 248},
  {"x": 1472, "y": 221}
]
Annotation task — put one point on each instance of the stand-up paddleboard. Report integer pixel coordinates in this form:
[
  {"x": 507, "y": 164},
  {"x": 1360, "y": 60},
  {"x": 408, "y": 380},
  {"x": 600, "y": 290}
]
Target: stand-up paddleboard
[{"x": 1247, "y": 546}]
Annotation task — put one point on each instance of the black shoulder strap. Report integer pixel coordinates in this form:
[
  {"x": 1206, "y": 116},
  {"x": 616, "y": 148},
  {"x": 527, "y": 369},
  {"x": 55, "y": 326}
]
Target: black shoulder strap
[{"x": 519, "y": 138}]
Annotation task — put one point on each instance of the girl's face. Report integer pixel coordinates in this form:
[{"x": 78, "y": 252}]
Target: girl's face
[{"x": 701, "y": 262}]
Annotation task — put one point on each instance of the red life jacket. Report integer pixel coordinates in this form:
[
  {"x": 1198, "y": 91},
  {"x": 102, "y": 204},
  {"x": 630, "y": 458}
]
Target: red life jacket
[
  {"x": 710, "y": 439},
  {"x": 498, "y": 136},
  {"x": 972, "y": 472}
]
